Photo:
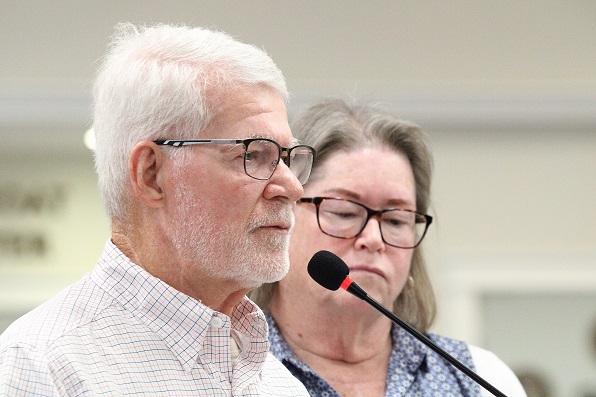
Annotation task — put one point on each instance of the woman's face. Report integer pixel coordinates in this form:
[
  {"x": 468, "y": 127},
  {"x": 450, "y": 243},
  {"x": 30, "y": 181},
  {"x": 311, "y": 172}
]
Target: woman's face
[{"x": 378, "y": 178}]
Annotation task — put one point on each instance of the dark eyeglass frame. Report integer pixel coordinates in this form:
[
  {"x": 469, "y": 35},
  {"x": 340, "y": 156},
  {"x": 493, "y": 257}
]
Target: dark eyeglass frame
[
  {"x": 245, "y": 142},
  {"x": 370, "y": 214}
]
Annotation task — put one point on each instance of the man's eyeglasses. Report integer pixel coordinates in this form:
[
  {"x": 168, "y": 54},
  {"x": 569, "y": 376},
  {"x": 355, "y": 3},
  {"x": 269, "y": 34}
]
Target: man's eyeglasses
[
  {"x": 261, "y": 155},
  {"x": 347, "y": 219}
]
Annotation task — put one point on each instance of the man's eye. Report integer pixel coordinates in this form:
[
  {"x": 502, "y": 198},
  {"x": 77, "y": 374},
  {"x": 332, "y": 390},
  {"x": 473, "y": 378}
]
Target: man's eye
[{"x": 255, "y": 156}]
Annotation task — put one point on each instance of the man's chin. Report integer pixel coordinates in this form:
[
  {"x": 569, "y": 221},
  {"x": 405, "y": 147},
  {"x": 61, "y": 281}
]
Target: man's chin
[{"x": 267, "y": 277}]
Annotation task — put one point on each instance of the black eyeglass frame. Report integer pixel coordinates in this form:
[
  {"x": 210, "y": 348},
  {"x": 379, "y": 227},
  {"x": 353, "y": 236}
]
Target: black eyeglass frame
[
  {"x": 370, "y": 214},
  {"x": 245, "y": 142}
]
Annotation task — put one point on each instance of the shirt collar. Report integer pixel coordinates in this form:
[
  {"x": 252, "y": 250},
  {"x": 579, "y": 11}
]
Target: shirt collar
[
  {"x": 408, "y": 353},
  {"x": 181, "y": 321}
]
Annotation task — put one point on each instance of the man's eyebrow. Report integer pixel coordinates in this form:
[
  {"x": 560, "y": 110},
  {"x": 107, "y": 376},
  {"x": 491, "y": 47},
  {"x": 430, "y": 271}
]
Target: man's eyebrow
[
  {"x": 294, "y": 142},
  {"x": 257, "y": 135},
  {"x": 254, "y": 135}
]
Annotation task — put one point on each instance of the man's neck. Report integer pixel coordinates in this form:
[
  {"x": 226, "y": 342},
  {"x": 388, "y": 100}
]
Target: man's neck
[{"x": 219, "y": 295}]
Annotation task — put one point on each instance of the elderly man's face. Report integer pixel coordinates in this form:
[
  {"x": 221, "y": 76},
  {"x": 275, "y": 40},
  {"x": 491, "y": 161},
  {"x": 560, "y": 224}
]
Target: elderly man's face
[{"x": 226, "y": 223}]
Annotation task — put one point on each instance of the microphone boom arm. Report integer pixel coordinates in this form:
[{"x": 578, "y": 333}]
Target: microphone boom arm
[{"x": 355, "y": 290}]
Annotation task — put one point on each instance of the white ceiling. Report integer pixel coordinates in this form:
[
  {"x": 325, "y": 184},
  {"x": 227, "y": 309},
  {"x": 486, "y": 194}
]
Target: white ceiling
[{"x": 442, "y": 64}]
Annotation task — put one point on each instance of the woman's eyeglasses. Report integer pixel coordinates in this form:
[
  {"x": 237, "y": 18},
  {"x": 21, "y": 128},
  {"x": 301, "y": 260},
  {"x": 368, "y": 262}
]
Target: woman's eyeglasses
[{"x": 343, "y": 218}]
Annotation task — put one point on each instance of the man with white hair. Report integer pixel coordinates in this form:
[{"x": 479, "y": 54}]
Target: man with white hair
[{"x": 199, "y": 174}]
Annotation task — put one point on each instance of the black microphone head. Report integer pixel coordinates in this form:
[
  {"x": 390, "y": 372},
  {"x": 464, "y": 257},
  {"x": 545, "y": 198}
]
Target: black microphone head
[{"x": 328, "y": 269}]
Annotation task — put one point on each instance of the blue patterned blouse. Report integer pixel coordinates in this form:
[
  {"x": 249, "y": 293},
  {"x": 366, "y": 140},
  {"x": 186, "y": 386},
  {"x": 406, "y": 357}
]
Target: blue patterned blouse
[{"x": 414, "y": 369}]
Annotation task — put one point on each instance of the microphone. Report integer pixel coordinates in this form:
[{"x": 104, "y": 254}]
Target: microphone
[{"x": 331, "y": 272}]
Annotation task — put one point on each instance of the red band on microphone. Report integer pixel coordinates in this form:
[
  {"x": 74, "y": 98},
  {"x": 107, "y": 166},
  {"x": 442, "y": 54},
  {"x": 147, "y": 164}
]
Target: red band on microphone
[{"x": 346, "y": 283}]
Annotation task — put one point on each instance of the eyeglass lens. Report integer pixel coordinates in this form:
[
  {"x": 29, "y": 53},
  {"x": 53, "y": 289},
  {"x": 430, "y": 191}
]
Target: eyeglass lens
[
  {"x": 300, "y": 162},
  {"x": 262, "y": 156},
  {"x": 345, "y": 219}
]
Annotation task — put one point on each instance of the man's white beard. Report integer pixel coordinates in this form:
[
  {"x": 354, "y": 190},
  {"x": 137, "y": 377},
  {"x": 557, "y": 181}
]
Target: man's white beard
[{"x": 247, "y": 256}]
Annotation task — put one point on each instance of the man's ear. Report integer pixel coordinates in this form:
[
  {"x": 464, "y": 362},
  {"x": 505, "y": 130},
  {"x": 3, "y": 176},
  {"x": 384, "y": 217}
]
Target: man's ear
[{"x": 145, "y": 166}]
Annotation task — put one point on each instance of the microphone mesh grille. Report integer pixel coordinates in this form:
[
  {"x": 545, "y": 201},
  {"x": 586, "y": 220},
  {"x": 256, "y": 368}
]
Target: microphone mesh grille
[{"x": 328, "y": 269}]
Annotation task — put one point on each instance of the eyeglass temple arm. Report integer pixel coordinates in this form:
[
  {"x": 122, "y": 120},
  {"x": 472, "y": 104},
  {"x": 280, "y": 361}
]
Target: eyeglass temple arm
[{"x": 181, "y": 142}]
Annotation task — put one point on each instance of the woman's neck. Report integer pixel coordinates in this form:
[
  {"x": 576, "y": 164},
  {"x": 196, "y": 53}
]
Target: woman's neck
[{"x": 349, "y": 348}]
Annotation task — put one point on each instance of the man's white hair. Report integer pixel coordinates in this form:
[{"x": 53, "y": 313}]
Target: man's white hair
[{"x": 161, "y": 82}]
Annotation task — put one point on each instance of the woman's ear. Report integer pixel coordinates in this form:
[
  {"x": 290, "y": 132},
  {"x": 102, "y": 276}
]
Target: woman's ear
[{"x": 145, "y": 164}]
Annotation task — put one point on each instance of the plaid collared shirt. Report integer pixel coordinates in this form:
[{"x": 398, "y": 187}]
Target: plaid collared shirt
[{"x": 120, "y": 331}]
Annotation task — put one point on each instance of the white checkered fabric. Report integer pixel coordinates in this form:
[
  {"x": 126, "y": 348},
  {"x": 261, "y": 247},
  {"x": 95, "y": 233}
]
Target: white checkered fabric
[{"x": 121, "y": 332}]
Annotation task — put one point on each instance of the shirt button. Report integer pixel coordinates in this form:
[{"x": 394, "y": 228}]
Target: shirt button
[{"x": 217, "y": 322}]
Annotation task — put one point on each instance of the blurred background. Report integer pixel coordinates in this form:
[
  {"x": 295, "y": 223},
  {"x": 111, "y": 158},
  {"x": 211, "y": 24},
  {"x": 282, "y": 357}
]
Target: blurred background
[{"x": 505, "y": 90}]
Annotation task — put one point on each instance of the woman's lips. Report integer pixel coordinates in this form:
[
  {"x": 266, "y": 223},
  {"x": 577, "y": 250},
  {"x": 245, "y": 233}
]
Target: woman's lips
[{"x": 366, "y": 269}]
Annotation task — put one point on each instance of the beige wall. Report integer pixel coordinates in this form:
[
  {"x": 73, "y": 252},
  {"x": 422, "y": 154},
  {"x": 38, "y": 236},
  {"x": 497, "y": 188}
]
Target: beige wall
[{"x": 52, "y": 226}]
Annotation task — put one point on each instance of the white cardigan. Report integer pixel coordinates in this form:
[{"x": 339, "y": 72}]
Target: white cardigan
[{"x": 496, "y": 372}]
